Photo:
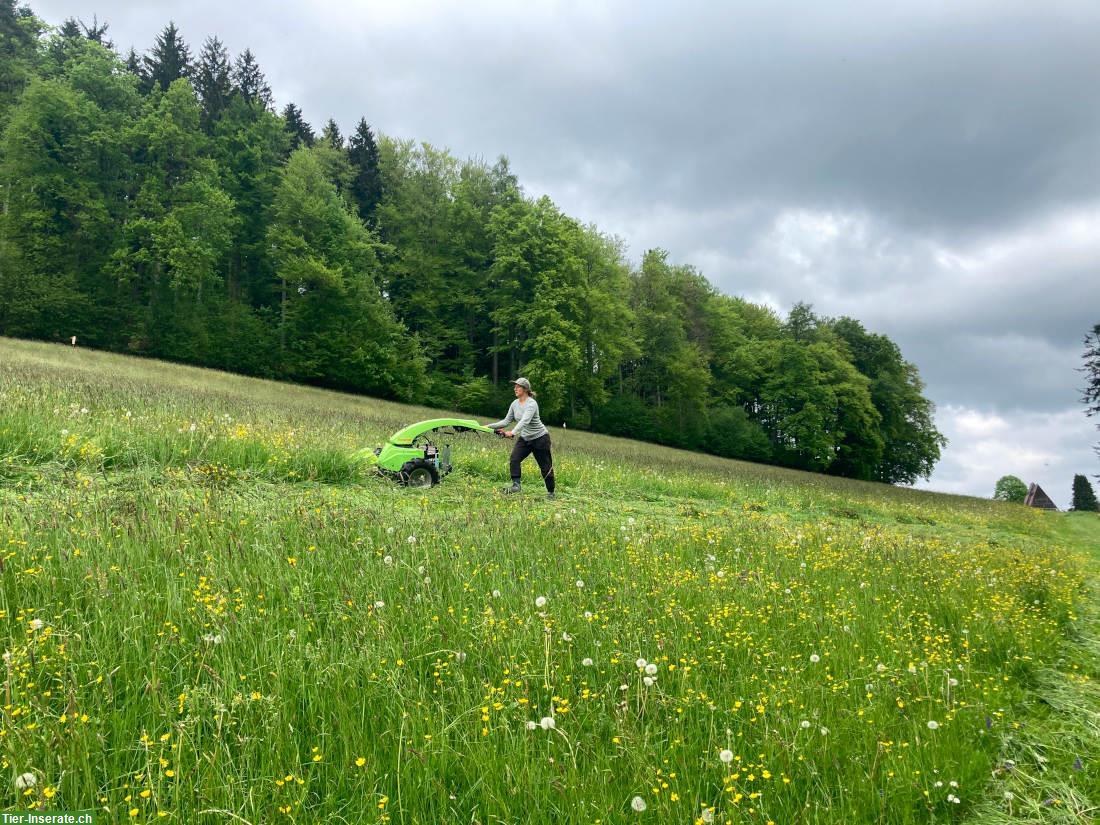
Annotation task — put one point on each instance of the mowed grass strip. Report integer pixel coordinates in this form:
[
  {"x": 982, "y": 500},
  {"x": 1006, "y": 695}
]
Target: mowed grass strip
[{"x": 211, "y": 612}]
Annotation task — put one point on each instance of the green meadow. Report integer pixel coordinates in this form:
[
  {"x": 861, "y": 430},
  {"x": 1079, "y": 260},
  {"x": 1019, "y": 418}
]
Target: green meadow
[{"x": 210, "y": 612}]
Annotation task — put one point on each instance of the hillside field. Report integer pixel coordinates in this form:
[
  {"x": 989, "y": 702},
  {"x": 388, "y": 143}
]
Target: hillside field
[{"x": 211, "y": 613}]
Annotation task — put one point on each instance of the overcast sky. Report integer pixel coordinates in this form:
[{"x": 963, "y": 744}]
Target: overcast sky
[{"x": 931, "y": 168}]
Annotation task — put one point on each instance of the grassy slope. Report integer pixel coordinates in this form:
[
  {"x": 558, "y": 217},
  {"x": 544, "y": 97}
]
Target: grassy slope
[{"x": 233, "y": 615}]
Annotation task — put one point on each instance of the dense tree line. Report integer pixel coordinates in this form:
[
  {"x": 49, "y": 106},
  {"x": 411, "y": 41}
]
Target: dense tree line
[{"x": 159, "y": 204}]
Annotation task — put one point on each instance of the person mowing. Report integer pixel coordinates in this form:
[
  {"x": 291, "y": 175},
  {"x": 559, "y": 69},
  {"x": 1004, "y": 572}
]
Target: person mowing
[{"x": 530, "y": 434}]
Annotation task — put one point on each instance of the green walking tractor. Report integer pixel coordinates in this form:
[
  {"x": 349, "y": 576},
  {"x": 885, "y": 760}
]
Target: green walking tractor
[{"x": 413, "y": 457}]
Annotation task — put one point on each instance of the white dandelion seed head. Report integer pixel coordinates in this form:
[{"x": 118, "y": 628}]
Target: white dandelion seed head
[
  {"x": 953, "y": 784},
  {"x": 707, "y": 815},
  {"x": 25, "y": 780},
  {"x": 880, "y": 667},
  {"x": 804, "y": 724},
  {"x": 933, "y": 724},
  {"x": 580, "y": 583},
  {"x": 1009, "y": 795},
  {"x": 411, "y": 539},
  {"x": 640, "y": 663},
  {"x": 648, "y": 681},
  {"x": 212, "y": 638},
  {"x": 586, "y": 661},
  {"x": 532, "y": 725},
  {"x": 814, "y": 658},
  {"x": 35, "y": 624},
  {"x": 540, "y": 602},
  {"x": 651, "y": 669},
  {"x": 421, "y": 569},
  {"x": 427, "y": 580},
  {"x": 460, "y": 656},
  {"x": 938, "y": 784},
  {"x": 496, "y": 594},
  {"x": 389, "y": 531},
  {"x": 913, "y": 669},
  {"x": 588, "y": 614},
  {"x": 565, "y": 637},
  {"x": 547, "y": 723},
  {"x": 387, "y": 560},
  {"x": 824, "y": 731},
  {"x": 638, "y": 804},
  {"x": 725, "y": 756},
  {"x": 378, "y": 605},
  {"x": 953, "y": 682}
]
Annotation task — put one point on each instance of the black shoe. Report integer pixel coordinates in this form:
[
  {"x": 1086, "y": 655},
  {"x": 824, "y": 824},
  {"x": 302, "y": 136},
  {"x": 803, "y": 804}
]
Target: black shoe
[
  {"x": 551, "y": 497},
  {"x": 515, "y": 488}
]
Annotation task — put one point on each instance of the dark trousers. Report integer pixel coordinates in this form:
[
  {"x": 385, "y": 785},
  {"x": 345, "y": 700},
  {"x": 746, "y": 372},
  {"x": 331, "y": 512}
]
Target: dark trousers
[{"x": 541, "y": 448}]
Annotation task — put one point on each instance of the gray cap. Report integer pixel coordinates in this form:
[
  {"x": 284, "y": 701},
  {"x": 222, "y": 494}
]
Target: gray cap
[{"x": 523, "y": 382}]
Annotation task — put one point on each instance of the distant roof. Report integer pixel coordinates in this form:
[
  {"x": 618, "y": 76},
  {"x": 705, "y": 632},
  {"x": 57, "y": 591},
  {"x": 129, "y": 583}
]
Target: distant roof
[{"x": 1037, "y": 498}]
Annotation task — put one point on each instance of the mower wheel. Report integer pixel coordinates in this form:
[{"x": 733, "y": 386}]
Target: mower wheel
[{"x": 419, "y": 473}]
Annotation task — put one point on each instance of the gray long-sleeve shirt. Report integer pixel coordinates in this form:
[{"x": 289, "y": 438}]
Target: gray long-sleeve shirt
[{"x": 526, "y": 415}]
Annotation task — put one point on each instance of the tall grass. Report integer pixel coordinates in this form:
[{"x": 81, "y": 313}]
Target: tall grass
[{"x": 211, "y": 613}]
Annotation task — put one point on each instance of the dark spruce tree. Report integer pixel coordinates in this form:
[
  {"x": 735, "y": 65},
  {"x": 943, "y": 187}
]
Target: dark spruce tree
[
  {"x": 213, "y": 82},
  {"x": 301, "y": 133},
  {"x": 97, "y": 32},
  {"x": 168, "y": 60},
  {"x": 250, "y": 82},
  {"x": 366, "y": 186},
  {"x": 330, "y": 135},
  {"x": 134, "y": 65},
  {"x": 1084, "y": 497},
  {"x": 70, "y": 29}
]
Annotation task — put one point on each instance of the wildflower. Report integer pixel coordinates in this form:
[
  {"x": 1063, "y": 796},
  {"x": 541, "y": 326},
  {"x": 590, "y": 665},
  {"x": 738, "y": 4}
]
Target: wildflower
[
  {"x": 25, "y": 780},
  {"x": 640, "y": 664},
  {"x": 378, "y": 605},
  {"x": 388, "y": 560},
  {"x": 824, "y": 731},
  {"x": 212, "y": 638},
  {"x": 547, "y": 723},
  {"x": 389, "y": 531},
  {"x": 565, "y": 637},
  {"x": 587, "y": 662},
  {"x": 638, "y": 804},
  {"x": 814, "y": 658},
  {"x": 651, "y": 669},
  {"x": 532, "y": 725},
  {"x": 805, "y": 724},
  {"x": 580, "y": 583},
  {"x": 933, "y": 724},
  {"x": 1009, "y": 796},
  {"x": 725, "y": 756},
  {"x": 540, "y": 602},
  {"x": 360, "y": 762},
  {"x": 460, "y": 656},
  {"x": 953, "y": 682},
  {"x": 707, "y": 816},
  {"x": 496, "y": 594},
  {"x": 35, "y": 624},
  {"x": 648, "y": 681},
  {"x": 411, "y": 539},
  {"x": 880, "y": 667},
  {"x": 952, "y": 798}
]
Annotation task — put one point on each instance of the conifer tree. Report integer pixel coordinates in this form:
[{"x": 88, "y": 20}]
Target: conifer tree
[
  {"x": 330, "y": 135},
  {"x": 1084, "y": 497},
  {"x": 97, "y": 32},
  {"x": 250, "y": 82},
  {"x": 133, "y": 63},
  {"x": 301, "y": 133},
  {"x": 366, "y": 187},
  {"x": 212, "y": 81},
  {"x": 168, "y": 60}
]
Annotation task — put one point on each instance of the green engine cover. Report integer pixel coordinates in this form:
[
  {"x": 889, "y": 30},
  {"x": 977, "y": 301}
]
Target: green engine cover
[{"x": 391, "y": 457}]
